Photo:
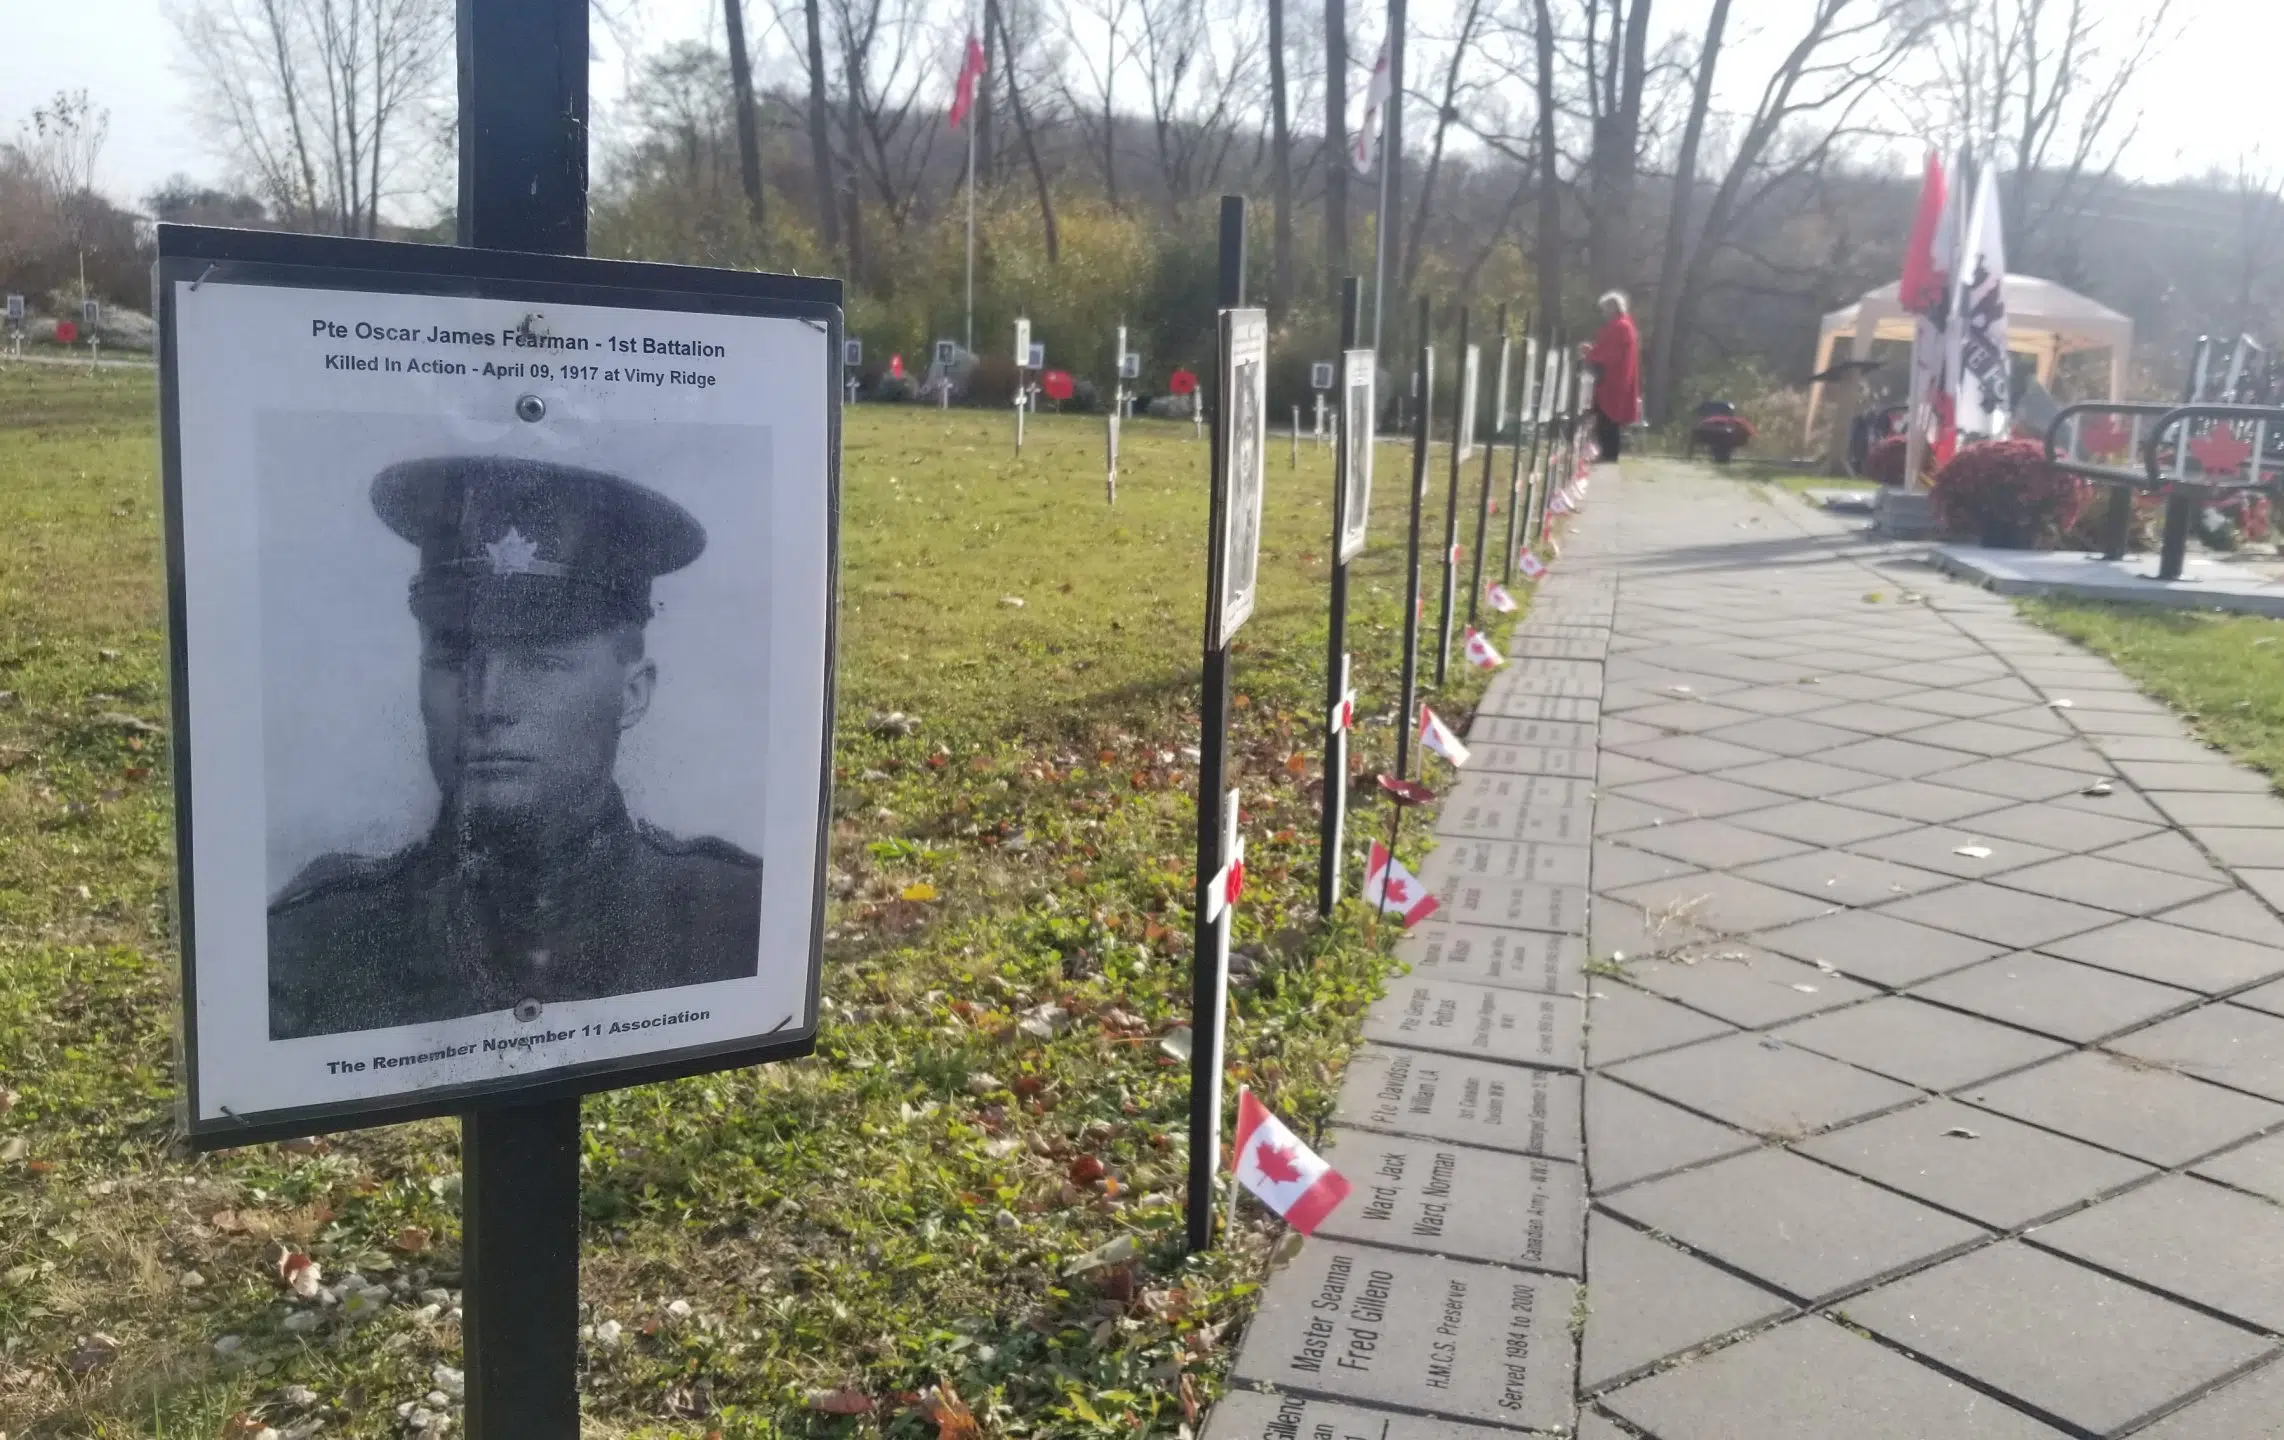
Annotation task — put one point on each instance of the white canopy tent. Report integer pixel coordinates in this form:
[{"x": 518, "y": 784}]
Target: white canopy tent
[{"x": 2043, "y": 320}]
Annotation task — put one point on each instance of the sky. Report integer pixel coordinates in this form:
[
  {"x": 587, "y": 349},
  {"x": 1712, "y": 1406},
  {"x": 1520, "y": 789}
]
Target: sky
[{"x": 2204, "y": 100}]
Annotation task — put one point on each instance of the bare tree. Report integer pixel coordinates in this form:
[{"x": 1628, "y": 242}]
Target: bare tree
[
  {"x": 890, "y": 133},
  {"x": 1199, "y": 68},
  {"x": 321, "y": 102},
  {"x": 1675, "y": 255},
  {"x": 1011, "y": 61},
  {"x": 1280, "y": 167},
  {"x": 1335, "y": 148},
  {"x": 821, "y": 130},
  {"x": 1546, "y": 250},
  {"x": 1446, "y": 114},
  {"x": 741, "y": 83},
  {"x": 1616, "y": 80},
  {"x": 1097, "y": 35},
  {"x": 61, "y": 143}
]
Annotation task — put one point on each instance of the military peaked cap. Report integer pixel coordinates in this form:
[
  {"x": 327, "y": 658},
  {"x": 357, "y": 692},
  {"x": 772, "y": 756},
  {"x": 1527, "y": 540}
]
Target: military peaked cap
[{"x": 531, "y": 548}]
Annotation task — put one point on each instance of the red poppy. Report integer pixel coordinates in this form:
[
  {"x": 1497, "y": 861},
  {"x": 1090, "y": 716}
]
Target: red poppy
[
  {"x": 66, "y": 331},
  {"x": 896, "y": 367},
  {"x": 1182, "y": 382},
  {"x": 1056, "y": 384}
]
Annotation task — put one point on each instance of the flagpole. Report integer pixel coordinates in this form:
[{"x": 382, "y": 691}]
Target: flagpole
[
  {"x": 971, "y": 231},
  {"x": 1380, "y": 237}
]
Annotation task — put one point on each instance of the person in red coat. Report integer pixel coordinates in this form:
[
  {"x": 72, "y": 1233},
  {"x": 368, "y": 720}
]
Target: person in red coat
[{"x": 1615, "y": 356}]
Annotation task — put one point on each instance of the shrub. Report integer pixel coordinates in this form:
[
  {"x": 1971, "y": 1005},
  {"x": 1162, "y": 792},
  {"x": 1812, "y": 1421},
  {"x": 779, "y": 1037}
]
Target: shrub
[
  {"x": 1884, "y": 462},
  {"x": 2085, "y": 533},
  {"x": 2003, "y": 493}
]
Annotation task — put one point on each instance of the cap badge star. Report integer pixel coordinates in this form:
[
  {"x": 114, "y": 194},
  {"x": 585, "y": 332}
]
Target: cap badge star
[{"x": 511, "y": 554}]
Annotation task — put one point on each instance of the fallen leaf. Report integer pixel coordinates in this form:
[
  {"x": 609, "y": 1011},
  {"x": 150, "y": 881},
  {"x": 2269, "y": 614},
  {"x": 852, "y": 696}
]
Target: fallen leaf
[
  {"x": 1297, "y": 763},
  {"x": 412, "y": 1240},
  {"x": 954, "y": 1421},
  {"x": 919, "y": 890},
  {"x": 1085, "y": 1170},
  {"x": 840, "y": 1402},
  {"x": 1974, "y": 852}
]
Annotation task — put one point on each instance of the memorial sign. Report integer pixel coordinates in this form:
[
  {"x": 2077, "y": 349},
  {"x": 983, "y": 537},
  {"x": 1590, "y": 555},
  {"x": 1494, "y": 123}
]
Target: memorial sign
[
  {"x": 1507, "y": 860},
  {"x": 1474, "y": 1102},
  {"x": 1245, "y": 456},
  {"x": 1532, "y": 760},
  {"x": 556, "y": 824},
  {"x": 1548, "y": 734},
  {"x": 1358, "y": 424},
  {"x": 1457, "y": 1338},
  {"x": 1493, "y": 955},
  {"x": 1022, "y": 342},
  {"x": 15, "y": 311},
  {"x": 1470, "y": 381},
  {"x": 1516, "y": 904},
  {"x": 1457, "y": 1200},
  {"x": 1515, "y": 1027},
  {"x": 1512, "y": 702},
  {"x": 852, "y": 352},
  {"x": 1547, "y": 809},
  {"x": 1262, "y": 1415}
]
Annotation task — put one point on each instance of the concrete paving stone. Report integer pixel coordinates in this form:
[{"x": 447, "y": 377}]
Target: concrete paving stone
[
  {"x": 1515, "y": 904},
  {"x": 1834, "y": 662},
  {"x": 1482, "y": 814},
  {"x": 1615, "y": 928},
  {"x": 1722, "y": 904},
  {"x": 2072, "y": 679},
  {"x": 1896, "y": 759},
  {"x": 1507, "y": 860},
  {"x": 2167, "y": 850},
  {"x": 1763, "y": 1085},
  {"x": 2089, "y": 1350},
  {"x": 1841, "y": 878},
  {"x": 1890, "y": 717},
  {"x": 1530, "y": 759},
  {"x": 1962, "y": 671},
  {"x": 1796, "y": 1226},
  {"x": 1810, "y": 1379},
  {"x": 2121, "y": 803},
  {"x": 2058, "y": 829},
  {"x": 2008, "y": 688},
  {"x": 2111, "y": 722},
  {"x": 1630, "y": 1135},
  {"x": 2013, "y": 779},
  {"x": 2171, "y": 955},
  {"x": 1650, "y": 1301},
  {"x": 2267, "y": 884},
  {"x": 1624, "y": 1022},
  {"x": 1431, "y": 1195},
  {"x": 2168, "y": 749},
  {"x": 2269, "y": 999},
  {"x": 2108, "y": 884},
  {"x": 1512, "y": 730},
  {"x": 2187, "y": 1237},
  {"x": 1875, "y": 946},
  {"x": 2075, "y": 756},
  {"x": 1681, "y": 716},
  {"x": 1709, "y": 844},
  {"x": 1843, "y": 686},
  {"x": 2041, "y": 718},
  {"x": 2127, "y": 1105},
  {"x": 1958, "y": 704},
  {"x": 1792, "y": 699},
  {"x": 1922, "y": 1044},
  {"x": 1456, "y": 1338},
  {"x": 2243, "y": 846},
  {"x": 2257, "y": 1167},
  {"x": 2251, "y": 1408},
  {"x": 1807, "y": 779},
  {"x": 1786, "y": 735},
  {"x": 1519, "y": 705},
  {"x": 1614, "y": 814},
  {"x": 2227, "y": 1044},
  {"x": 1820, "y": 823},
  {"x": 1617, "y": 865},
  {"x": 1267, "y": 1415},
  {"x": 1919, "y": 800},
  {"x": 1986, "y": 911},
  {"x": 1675, "y": 753},
  {"x": 2196, "y": 808},
  {"x": 1701, "y": 795},
  {"x": 1746, "y": 987},
  {"x": 2214, "y": 776},
  {"x": 1471, "y": 1102},
  {"x": 2233, "y": 913},
  {"x": 1491, "y": 955},
  {"x": 2124, "y": 702},
  {"x": 1612, "y": 769},
  {"x": 1973, "y": 1163},
  {"x": 2053, "y": 997},
  {"x": 1593, "y": 1425},
  {"x": 1528, "y": 646},
  {"x": 1617, "y": 732},
  {"x": 1513, "y": 1027},
  {"x": 1981, "y": 737}
]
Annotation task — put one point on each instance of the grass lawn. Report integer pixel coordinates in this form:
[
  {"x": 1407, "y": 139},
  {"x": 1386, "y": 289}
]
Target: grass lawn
[
  {"x": 2223, "y": 673},
  {"x": 768, "y": 1247}
]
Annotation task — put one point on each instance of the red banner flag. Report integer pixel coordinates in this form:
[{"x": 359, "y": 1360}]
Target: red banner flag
[{"x": 963, "y": 92}]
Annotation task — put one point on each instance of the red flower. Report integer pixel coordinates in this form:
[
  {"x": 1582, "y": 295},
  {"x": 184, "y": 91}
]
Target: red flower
[
  {"x": 1182, "y": 382},
  {"x": 1056, "y": 384}
]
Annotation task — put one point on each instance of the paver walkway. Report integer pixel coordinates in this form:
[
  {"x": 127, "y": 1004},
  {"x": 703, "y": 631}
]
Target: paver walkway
[{"x": 1887, "y": 1040}]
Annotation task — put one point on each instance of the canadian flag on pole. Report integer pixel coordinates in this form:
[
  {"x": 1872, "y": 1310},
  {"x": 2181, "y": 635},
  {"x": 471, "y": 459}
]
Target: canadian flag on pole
[
  {"x": 1437, "y": 736},
  {"x": 963, "y": 90},
  {"x": 1533, "y": 568},
  {"x": 1500, "y": 600},
  {"x": 1366, "y": 143},
  {"x": 1284, "y": 1174},
  {"x": 1481, "y": 653},
  {"x": 1389, "y": 886}
]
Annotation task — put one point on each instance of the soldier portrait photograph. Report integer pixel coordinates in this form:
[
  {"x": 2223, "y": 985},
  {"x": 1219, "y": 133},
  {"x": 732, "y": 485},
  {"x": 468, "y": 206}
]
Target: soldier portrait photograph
[
  {"x": 530, "y": 585},
  {"x": 1244, "y": 396},
  {"x": 1356, "y": 421}
]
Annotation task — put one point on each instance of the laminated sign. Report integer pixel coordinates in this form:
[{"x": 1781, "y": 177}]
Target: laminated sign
[
  {"x": 502, "y": 645},
  {"x": 1243, "y": 461}
]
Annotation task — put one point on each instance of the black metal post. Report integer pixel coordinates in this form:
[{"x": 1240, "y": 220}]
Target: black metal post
[
  {"x": 1424, "y": 368},
  {"x": 1539, "y": 401},
  {"x": 1483, "y": 501},
  {"x": 1451, "y": 507},
  {"x": 2117, "y": 523},
  {"x": 1207, "y": 981},
  {"x": 1335, "y": 809},
  {"x": 523, "y": 186},
  {"x": 2181, "y": 509}
]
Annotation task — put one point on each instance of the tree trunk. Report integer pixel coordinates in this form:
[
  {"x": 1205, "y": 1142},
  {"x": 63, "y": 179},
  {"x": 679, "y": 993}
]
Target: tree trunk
[
  {"x": 1618, "y": 156},
  {"x": 1280, "y": 167},
  {"x": 1030, "y": 144},
  {"x": 820, "y": 133},
  {"x": 741, "y": 81},
  {"x": 1414, "y": 242},
  {"x": 1546, "y": 253},
  {"x": 1385, "y": 230},
  {"x": 1335, "y": 144},
  {"x": 855, "y": 192},
  {"x": 1666, "y": 347}
]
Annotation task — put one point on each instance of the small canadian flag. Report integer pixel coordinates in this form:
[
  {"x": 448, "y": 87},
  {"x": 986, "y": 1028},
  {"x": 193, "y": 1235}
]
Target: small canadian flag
[
  {"x": 1284, "y": 1174},
  {"x": 1533, "y": 568},
  {"x": 1389, "y": 886},
  {"x": 1481, "y": 653},
  {"x": 1437, "y": 736},
  {"x": 1500, "y": 600}
]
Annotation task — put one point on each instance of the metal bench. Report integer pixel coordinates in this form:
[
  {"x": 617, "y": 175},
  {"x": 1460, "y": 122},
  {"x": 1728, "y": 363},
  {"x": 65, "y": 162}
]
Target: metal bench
[{"x": 2124, "y": 481}]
